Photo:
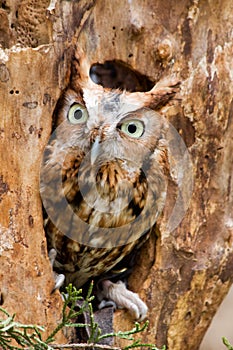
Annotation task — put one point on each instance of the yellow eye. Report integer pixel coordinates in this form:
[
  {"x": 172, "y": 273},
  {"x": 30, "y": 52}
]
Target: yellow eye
[
  {"x": 77, "y": 114},
  {"x": 133, "y": 128}
]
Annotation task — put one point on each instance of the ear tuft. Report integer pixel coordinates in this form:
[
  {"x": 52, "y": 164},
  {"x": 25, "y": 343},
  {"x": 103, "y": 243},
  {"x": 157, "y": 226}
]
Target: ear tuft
[
  {"x": 157, "y": 97},
  {"x": 161, "y": 93},
  {"x": 81, "y": 71}
]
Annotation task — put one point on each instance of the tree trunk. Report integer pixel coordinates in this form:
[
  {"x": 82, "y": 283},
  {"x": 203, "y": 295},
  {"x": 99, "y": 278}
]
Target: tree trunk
[{"x": 189, "y": 269}]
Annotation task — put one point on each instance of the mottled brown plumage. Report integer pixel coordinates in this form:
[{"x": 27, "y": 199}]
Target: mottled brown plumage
[{"x": 102, "y": 182}]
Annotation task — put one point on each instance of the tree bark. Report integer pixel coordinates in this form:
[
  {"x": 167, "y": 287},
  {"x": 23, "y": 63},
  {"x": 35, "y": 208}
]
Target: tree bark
[{"x": 185, "y": 274}]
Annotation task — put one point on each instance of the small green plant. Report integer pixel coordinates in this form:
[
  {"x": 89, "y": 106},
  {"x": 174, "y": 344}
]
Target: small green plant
[
  {"x": 30, "y": 336},
  {"x": 24, "y": 335},
  {"x": 227, "y": 343}
]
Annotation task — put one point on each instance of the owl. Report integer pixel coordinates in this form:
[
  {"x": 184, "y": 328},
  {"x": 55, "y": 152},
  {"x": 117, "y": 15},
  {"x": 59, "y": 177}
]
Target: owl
[{"x": 103, "y": 182}]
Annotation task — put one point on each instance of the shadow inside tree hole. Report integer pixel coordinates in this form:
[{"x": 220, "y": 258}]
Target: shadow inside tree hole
[{"x": 118, "y": 75}]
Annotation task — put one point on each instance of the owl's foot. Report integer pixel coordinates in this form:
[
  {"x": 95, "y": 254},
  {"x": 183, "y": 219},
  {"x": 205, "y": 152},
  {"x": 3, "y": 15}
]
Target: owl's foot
[
  {"x": 124, "y": 298},
  {"x": 58, "y": 278},
  {"x": 107, "y": 303}
]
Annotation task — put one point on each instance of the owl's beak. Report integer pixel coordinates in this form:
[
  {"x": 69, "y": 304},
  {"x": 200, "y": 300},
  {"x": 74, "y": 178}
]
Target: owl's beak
[{"x": 95, "y": 150}]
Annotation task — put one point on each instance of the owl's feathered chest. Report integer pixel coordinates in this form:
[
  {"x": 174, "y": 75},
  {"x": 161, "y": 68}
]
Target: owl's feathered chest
[
  {"x": 104, "y": 202},
  {"x": 107, "y": 195}
]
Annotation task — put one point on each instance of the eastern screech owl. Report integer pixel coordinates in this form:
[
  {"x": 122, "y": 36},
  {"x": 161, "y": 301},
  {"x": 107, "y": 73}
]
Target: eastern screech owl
[{"x": 102, "y": 183}]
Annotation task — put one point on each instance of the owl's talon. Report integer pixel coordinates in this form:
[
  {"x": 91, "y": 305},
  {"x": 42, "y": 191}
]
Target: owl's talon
[
  {"x": 122, "y": 297},
  {"x": 52, "y": 256},
  {"x": 107, "y": 303},
  {"x": 59, "y": 279}
]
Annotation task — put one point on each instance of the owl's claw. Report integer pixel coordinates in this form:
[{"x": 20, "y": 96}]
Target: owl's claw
[
  {"x": 59, "y": 281},
  {"x": 58, "y": 278},
  {"x": 52, "y": 256},
  {"x": 124, "y": 298},
  {"x": 107, "y": 303}
]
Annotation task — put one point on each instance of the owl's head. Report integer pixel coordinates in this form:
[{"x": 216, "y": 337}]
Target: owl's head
[{"x": 112, "y": 122}]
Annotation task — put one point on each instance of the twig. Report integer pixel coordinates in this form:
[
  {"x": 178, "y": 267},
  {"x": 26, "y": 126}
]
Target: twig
[
  {"x": 83, "y": 346},
  {"x": 227, "y": 343}
]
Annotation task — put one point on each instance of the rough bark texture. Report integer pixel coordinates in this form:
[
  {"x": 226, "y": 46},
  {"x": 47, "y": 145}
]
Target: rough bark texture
[{"x": 192, "y": 269}]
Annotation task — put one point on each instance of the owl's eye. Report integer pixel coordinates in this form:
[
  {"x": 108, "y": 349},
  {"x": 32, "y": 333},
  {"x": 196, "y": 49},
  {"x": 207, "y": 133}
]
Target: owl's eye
[
  {"x": 133, "y": 128},
  {"x": 77, "y": 114}
]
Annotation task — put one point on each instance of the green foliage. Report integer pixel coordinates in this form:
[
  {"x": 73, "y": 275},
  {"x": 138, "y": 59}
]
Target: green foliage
[
  {"x": 30, "y": 336},
  {"x": 24, "y": 335},
  {"x": 71, "y": 297},
  {"x": 226, "y": 342}
]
